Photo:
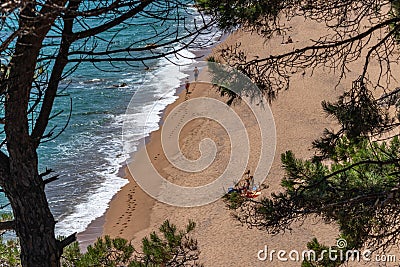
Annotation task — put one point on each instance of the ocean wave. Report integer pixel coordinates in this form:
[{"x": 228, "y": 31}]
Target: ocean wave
[
  {"x": 93, "y": 207},
  {"x": 152, "y": 92}
]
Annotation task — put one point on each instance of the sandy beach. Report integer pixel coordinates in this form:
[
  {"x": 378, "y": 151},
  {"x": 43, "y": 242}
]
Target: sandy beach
[{"x": 223, "y": 241}]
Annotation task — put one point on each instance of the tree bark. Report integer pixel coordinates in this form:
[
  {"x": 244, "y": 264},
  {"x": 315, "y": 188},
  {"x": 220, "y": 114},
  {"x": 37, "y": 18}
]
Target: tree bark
[
  {"x": 19, "y": 177},
  {"x": 34, "y": 223}
]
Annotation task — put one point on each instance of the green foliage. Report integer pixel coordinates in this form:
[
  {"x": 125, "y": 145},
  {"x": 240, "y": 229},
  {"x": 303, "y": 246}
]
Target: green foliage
[
  {"x": 355, "y": 184},
  {"x": 395, "y": 12},
  {"x": 349, "y": 192},
  {"x": 172, "y": 248},
  {"x": 211, "y": 59},
  {"x": 231, "y": 14},
  {"x": 104, "y": 252},
  {"x": 9, "y": 249},
  {"x": 6, "y": 216},
  {"x": 234, "y": 200},
  {"x": 71, "y": 255},
  {"x": 359, "y": 116},
  {"x": 332, "y": 256},
  {"x": 9, "y": 253},
  {"x": 322, "y": 258}
]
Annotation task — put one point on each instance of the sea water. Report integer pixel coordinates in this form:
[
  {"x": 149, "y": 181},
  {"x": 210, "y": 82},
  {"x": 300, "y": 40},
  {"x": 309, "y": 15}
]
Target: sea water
[{"x": 88, "y": 154}]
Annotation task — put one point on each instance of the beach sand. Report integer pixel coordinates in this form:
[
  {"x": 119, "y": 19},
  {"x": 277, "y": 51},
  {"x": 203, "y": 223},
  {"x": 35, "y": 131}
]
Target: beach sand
[{"x": 223, "y": 240}]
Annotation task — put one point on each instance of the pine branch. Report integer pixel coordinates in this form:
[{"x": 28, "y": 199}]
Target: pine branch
[
  {"x": 67, "y": 241},
  {"x": 7, "y": 225}
]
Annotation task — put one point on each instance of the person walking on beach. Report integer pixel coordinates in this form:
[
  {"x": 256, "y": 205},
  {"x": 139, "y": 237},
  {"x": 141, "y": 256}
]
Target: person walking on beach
[
  {"x": 187, "y": 84},
  {"x": 196, "y": 73}
]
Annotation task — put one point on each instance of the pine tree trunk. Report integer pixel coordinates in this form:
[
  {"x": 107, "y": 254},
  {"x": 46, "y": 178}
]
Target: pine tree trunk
[{"x": 34, "y": 223}]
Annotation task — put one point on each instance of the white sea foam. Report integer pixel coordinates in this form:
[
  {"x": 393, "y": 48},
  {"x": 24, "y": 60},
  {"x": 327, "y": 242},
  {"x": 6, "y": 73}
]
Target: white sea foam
[
  {"x": 144, "y": 118},
  {"x": 154, "y": 93},
  {"x": 94, "y": 207}
]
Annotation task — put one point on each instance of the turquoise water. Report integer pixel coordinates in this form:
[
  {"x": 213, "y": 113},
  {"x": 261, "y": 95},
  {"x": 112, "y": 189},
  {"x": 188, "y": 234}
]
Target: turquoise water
[{"x": 89, "y": 154}]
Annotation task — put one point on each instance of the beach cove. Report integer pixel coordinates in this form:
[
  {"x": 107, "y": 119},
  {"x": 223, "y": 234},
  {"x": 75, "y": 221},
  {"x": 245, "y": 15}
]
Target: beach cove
[{"x": 223, "y": 241}]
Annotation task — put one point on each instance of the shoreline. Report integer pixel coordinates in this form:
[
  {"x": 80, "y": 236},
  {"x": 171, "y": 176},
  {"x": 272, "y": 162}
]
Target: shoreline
[
  {"x": 97, "y": 227},
  {"x": 131, "y": 202}
]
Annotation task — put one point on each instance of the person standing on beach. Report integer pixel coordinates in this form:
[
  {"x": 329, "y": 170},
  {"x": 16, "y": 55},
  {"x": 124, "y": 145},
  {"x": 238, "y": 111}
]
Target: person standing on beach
[
  {"x": 196, "y": 73},
  {"x": 187, "y": 84}
]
